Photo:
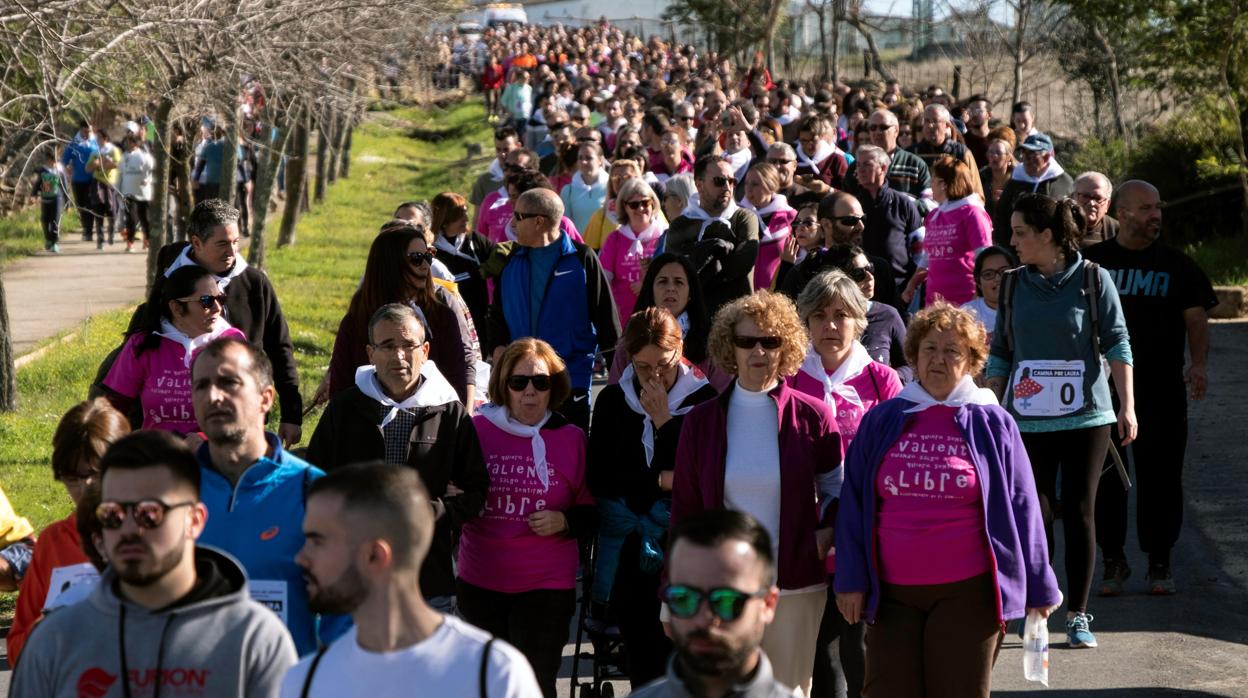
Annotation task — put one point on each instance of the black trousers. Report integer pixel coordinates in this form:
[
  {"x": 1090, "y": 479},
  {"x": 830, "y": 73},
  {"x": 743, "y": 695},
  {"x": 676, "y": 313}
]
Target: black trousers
[
  {"x": 534, "y": 622},
  {"x": 82, "y": 202},
  {"x": 50, "y": 219},
  {"x": 136, "y": 218},
  {"x": 1155, "y": 462},
  {"x": 839, "y": 676},
  {"x": 1080, "y": 455},
  {"x": 635, "y": 605}
]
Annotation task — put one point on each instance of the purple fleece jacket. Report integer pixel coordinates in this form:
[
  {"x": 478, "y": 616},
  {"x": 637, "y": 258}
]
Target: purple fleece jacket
[
  {"x": 1011, "y": 508},
  {"x": 810, "y": 445}
]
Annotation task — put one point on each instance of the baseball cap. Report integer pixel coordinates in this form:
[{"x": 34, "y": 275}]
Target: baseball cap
[{"x": 1038, "y": 143}]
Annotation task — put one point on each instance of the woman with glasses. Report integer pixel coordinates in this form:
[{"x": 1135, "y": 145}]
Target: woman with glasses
[
  {"x": 183, "y": 315},
  {"x": 990, "y": 266},
  {"x": 939, "y": 538},
  {"x": 627, "y": 247},
  {"x": 397, "y": 271},
  {"x": 81, "y": 438},
  {"x": 806, "y": 240},
  {"x": 630, "y": 474},
  {"x": 953, "y": 232},
  {"x": 675, "y": 158},
  {"x": 762, "y": 184},
  {"x": 764, "y": 449},
  {"x": 518, "y": 560}
]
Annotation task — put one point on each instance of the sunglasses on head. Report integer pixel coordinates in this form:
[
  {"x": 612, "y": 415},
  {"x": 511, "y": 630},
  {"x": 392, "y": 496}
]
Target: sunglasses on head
[
  {"x": 727, "y": 604},
  {"x": 519, "y": 382},
  {"x": 724, "y": 181},
  {"x": 419, "y": 258},
  {"x": 206, "y": 300},
  {"x": 746, "y": 342},
  {"x": 147, "y": 513}
]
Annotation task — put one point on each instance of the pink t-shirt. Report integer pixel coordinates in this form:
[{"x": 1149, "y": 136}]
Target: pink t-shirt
[
  {"x": 498, "y": 550},
  {"x": 951, "y": 239},
  {"x": 161, "y": 380},
  {"x": 930, "y": 519},
  {"x": 848, "y": 415},
  {"x": 779, "y": 227},
  {"x": 625, "y": 267},
  {"x": 495, "y": 212}
]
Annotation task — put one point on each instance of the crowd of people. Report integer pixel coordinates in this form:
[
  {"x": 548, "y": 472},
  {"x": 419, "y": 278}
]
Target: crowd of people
[{"x": 850, "y": 380}]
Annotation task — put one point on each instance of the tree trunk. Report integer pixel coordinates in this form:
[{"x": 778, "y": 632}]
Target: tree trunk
[
  {"x": 266, "y": 178},
  {"x": 158, "y": 211},
  {"x": 344, "y": 164},
  {"x": 837, "y": 13},
  {"x": 1241, "y": 111},
  {"x": 323, "y": 153},
  {"x": 182, "y": 220},
  {"x": 1111, "y": 70},
  {"x": 872, "y": 50},
  {"x": 824, "y": 63},
  {"x": 340, "y": 130},
  {"x": 8, "y": 373},
  {"x": 1021, "y": 15},
  {"x": 296, "y": 179}
]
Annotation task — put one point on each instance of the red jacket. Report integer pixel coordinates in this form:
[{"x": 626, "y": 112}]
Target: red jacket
[
  {"x": 58, "y": 546},
  {"x": 810, "y": 445}
]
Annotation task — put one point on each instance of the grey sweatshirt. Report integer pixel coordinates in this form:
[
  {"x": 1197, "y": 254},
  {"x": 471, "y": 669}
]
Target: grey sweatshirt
[{"x": 218, "y": 642}]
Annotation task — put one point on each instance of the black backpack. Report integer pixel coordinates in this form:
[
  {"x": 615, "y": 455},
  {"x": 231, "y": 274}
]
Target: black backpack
[{"x": 481, "y": 672}]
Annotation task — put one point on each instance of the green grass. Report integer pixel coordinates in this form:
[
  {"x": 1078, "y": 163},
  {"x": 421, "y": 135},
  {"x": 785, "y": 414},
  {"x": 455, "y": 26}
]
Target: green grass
[
  {"x": 21, "y": 235},
  {"x": 1224, "y": 259},
  {"x": 314, "y": 279}
]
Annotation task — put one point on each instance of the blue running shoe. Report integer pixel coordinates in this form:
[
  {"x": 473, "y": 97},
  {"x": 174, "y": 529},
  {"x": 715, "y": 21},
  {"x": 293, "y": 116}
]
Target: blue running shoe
[{"x": 1077, "y": 633}]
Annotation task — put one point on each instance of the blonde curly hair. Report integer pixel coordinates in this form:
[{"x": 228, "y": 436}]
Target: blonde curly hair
[
  {"x": 941, "y": 316},
  {"x": 774, "y": 314}
]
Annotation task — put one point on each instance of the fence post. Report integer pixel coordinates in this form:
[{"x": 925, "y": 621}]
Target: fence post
[{"x": 957, "y": 82}]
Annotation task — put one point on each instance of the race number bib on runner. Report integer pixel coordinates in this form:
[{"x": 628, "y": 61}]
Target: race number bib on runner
[
  {"x": 270, "y": 593},
  {"x": 1048, "y": 388}
]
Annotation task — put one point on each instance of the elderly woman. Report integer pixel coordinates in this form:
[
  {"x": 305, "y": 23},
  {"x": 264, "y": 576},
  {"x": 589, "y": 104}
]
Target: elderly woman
[
  {"x": 608, "y": 218},
  {"x": 731, "y": 456},
  {"x": 627, "y": 247},
  {"x": 676, "y": 194},
  {"x": 1060, "y": 320},
  {"x": 630, "y": 474},
  {"x": 954, "y": 232},
  {"x": 939, "y": 537},
  {"x": 183, "y": 315},
  {"x": 839, "y": 371},
  {"x": 517, "y": 562},
  {"x": 885, "y": 335},
  {"x": 776, "y": 216}
]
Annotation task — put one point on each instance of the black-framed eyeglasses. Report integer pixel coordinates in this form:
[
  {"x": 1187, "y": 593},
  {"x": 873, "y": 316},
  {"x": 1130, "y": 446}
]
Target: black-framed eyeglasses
[
  {"x": 769, "y": 343},
  {"x": 207, "y": 300},
  {"x": 860, "y": 274},
  {"x": 850, "y": 220},
  {"x": 522, "y": 216},
  {"x": 147, "y": 513},
  {"x": 419, "y": 258},
  {"x": 991, "y": 274},
  {"x": 518, "y": 382},
  {"x": 408, "y": 348},
  {"x": 727, "y": 604},
  {"x": 724, "y": 181}
]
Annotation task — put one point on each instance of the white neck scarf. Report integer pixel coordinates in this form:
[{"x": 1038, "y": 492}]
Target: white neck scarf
[
  {"x": 579, "y": 185},
  {"x": 688, "y": 381},
  {"x": 636, "y": 249},
  {"x": 190, "y": 345},
  {"x": 779, "y": 202},
  {"x": 184, "y": 260},
  {"x": 964, "y": 393},
  {"x": 970, "y": 200},
  {"x": 740, "y": 159},
  {"x": 695, "y": 211},
  {"x": 434, "y": 390},
  {"x": 501, "y": 418},
  {"x": 835, "y": 384},
  {"x": 823, "y": 149},
  {"x": 455, "y": 248},
  {"x": 502, "y": 200}
]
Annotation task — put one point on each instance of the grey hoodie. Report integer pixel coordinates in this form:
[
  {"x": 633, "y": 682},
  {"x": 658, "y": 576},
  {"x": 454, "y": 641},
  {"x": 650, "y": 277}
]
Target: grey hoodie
[{"x": 218, "y": 642}]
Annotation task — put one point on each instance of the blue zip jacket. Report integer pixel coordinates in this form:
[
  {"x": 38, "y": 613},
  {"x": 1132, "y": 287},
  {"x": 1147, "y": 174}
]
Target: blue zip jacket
[
  {"x": 577, "y": 315},
  {"x": 1052, "y": 322},
  {"x": 260, "y": 523},
  {"x": 1011, "y": 507},
  {"x": 77, "y": 153}
]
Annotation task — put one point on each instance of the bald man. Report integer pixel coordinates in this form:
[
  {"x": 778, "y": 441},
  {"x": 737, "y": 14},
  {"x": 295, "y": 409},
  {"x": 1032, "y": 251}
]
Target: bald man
[
  {"x": 554, "y": 288},
  {"x": 1166, "y": 298}
]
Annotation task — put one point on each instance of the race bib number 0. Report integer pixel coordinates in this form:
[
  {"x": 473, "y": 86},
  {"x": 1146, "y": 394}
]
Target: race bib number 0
[{"x": 1048, "y": 388}]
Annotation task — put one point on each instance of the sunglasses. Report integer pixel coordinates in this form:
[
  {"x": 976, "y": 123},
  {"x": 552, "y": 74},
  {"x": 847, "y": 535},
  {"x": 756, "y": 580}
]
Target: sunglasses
[
  {"x": 860, "y": 274},
  {"x": 419, "y": 258},
  {"x": 147, "y": 513},
  {"x": 521, "y": 216},
  {"x": 850, "y": 220},
  {"x": 879, "y": 127},
  {"x": 727, "y": 604},
  {"x": 518, "y": 382},
  {"x": 207, "y": 301},
  {"x": 639, "y": 204},
  {"x": 778, "y": 162},
  {"x": 745, "y": 342},
  {"x": 724, "y": 181}
]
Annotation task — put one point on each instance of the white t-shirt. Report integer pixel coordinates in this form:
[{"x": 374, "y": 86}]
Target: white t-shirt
[
  {"x": 136, "y": 174},
  {"x": 986, "y": 316},
  {"x": 446, "y": 664},
  {"x": 752, "y": 464}
]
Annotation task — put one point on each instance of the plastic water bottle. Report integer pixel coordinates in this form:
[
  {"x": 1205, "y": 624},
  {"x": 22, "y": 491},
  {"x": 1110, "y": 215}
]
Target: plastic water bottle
[{"x": 1036, "y": 648}]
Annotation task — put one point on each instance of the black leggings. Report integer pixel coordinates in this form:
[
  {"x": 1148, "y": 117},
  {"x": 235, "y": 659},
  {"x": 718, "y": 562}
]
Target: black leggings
[
  {"x": 830, "y": 674},
  {"x": 534, "y": 622},
  {"x": 1080, "y": 454}
]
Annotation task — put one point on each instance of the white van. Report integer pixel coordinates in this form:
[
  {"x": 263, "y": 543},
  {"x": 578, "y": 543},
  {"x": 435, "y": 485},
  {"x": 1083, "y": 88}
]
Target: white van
[{"x": 497, "y": 14}]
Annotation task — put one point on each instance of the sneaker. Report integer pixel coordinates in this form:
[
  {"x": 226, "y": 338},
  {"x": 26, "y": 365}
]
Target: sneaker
[
  {"x": 56, "y": 249},
  {"x": 129, "y": 247},
  {"x": 1160, "y": 583},
  {"x": 1077, "y": 633},
  {"x": 1116, "y": 572}
]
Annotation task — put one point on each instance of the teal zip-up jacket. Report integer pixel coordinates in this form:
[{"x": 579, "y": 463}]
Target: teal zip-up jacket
[
  {"x": 259, "y": 521},
  {"x": 1055, "y": 379}
]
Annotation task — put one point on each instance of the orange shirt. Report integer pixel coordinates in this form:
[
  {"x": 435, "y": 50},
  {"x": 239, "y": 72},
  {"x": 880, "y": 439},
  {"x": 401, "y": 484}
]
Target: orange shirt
[{"x": 58, "y": 546}]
